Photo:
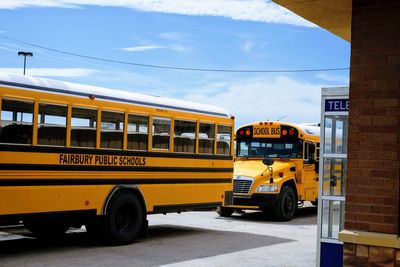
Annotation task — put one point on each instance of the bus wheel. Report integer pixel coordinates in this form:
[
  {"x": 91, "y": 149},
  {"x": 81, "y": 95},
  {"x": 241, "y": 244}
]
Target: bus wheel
[
  {"x": 287, "y": 204},
  {"x": 225, "y": 212},
  {"x": 123, "y": 220},
  {"x": 46, "y": 229},
  {"x": 315, "y": 203}
]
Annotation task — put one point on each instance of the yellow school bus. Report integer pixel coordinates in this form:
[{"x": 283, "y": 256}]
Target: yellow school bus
[
  {"x": 73, "y": 155},
  {"x": 275, "y": 169}
]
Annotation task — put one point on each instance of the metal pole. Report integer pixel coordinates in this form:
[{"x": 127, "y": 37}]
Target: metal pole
[
  {"x": 24, "y": 64},
  {"x": 25, "y": 54}
]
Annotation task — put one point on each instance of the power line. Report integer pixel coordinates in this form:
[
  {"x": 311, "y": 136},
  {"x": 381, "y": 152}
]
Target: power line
[{"x": 171, "y": 67}]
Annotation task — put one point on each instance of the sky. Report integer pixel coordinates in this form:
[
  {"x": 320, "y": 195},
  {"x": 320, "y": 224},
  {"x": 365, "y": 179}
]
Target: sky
[{"x": 253, "y": 36}]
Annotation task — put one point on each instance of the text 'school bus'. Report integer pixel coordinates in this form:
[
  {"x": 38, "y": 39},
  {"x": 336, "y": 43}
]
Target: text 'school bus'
[
  {"x": 275, "y": 169},
  {"x": 72, "y": 154}
]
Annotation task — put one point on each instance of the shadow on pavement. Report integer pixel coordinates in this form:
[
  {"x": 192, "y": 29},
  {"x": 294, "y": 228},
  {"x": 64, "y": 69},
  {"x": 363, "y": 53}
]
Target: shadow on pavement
[
  {"x": 165, "y": 244},
  {"x": 304, "y": 216}
]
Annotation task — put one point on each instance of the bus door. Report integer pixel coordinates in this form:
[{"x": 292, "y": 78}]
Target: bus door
[{"x": 309, "y": 172}]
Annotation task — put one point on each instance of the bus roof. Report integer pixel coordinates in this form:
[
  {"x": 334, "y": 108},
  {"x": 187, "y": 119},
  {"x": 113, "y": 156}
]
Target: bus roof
[
  {"x": 60, "y": 87},
  {"x": 312, "y": 129}
]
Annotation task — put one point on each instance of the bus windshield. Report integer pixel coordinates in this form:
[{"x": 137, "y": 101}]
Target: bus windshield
[{"x": 269, "y": 148}]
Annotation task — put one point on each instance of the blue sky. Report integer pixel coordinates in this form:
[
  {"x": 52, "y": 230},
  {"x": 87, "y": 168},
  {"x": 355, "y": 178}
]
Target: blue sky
[{"x": 219, "y": 34}]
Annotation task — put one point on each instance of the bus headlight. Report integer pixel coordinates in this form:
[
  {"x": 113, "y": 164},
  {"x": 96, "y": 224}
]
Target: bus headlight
[{"x": 267, "y": 188}]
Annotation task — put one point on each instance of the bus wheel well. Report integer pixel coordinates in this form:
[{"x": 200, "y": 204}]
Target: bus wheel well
[
  {"x": 292, "y": 184},
  {"x": 132, "y": 190},
  {"x": 124, "y": 217}
]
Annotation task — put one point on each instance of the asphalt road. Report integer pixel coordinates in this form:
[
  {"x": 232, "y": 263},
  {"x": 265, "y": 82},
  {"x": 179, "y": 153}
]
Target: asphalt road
[{"x": 187, "y": 239}]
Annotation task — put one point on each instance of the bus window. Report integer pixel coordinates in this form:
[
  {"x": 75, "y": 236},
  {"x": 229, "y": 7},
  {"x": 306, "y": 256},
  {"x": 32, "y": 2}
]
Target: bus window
[
  {"x": 206, "y": 138},
  {"x": 270, "y": 148},
  {"x": 16, "y": 121},
  {"x": 184, "y": 136},
  {"x": 224, "y": 140},
  {"x": 161, "y": 132},
  {"x": 112, "y": 129},
  {"x": 309, "y": 152},
  {"x": 138, "y": 132},
  {"x": 83, "y": 127},
  {"x": 52, "y": 128}
]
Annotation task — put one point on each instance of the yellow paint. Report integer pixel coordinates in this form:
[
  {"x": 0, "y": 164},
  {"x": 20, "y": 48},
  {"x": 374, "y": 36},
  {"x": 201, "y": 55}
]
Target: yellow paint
[
  {"x": 370, "y": 239},
  {"x": 35, "y": 199}
]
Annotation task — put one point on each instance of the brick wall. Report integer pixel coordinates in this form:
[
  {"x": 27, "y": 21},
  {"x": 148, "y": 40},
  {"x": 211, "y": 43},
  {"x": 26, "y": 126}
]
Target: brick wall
[
  {"x": 361, "y": 255},
  {"x": 372, "y": 187}
]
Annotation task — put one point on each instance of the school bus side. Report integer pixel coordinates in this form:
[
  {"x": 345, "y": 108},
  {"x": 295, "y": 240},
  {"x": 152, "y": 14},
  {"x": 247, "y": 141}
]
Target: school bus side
[{"x": 70, "y": 160}]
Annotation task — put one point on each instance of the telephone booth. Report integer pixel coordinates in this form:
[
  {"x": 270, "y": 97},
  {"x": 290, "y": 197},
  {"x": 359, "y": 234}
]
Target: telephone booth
[{"x": 332, "y": 177}]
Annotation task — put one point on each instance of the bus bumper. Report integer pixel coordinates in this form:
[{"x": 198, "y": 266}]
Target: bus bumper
[{"x": 260, "y": 200}]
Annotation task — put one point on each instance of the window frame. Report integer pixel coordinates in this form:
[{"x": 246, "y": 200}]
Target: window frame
[
  {"x": 170, "y": 144},
  {"x": 195, "y": 135},
  {"x": 130, "y": 132},
  {"x": 28, "y": 100},
  {"x": 102, "y": 130},
  {"x": 71, "y": 127},
  {"x": 38, "y": 124},
  {"x": 214, "y": 138},
  {"x": 230, "y": 139}
]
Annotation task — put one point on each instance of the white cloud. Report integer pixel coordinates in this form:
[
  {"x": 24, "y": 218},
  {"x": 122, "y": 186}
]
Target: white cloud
[
  {"x": 12, "y": 4},
  {"x": 53, "y": 72},
  {"x": 142, "y": 48},
  {"x": 249, "y": 10},
  {"x": 264, "y": 99},
  {"x": 342, "y": 79}
]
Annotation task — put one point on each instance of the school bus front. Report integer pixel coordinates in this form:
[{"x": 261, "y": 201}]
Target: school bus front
[{"x": 275, "y": 168}]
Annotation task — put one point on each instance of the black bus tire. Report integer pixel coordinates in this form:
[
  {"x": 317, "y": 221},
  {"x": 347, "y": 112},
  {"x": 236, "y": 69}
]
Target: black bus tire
[
  {"x": 225, "y": 212},
  {"x": 286, "y": 207},
  {"x": 123, "y": 220},
  {"x": 45, "y": 228}
]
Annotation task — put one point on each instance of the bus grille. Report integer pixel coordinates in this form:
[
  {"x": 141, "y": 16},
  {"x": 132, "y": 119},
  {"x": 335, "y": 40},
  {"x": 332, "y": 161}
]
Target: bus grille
[{"x": 242, "y": 186}]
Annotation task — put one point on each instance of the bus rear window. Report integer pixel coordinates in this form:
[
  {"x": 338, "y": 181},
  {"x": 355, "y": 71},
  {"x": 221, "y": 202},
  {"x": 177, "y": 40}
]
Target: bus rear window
[
  {"x": 16, "y": 121},
  {"x": 224, "y": 140},
  {"x": 206, "y": 138}
]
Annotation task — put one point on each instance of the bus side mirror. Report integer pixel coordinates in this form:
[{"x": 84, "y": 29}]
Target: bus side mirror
[{"x": 267, "y": 161}]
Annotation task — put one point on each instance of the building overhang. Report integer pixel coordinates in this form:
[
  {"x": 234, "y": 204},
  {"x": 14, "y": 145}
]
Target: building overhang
[{"x": 332, "y": 15}]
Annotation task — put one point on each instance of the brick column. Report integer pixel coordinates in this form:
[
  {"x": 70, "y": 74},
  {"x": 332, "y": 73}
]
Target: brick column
[{"x": 372, "y": 186}]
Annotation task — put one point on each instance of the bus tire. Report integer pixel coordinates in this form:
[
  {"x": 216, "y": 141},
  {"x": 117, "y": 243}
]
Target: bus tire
[
  {"x": 315, "y": 203},
  {"x": 123, "y": 220},
  {"x": 45, "y": 228},
  {"x": 225, "y": 212},
  {"x": 286, "y": 207}
]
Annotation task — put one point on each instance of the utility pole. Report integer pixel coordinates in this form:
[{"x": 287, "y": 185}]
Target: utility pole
[{"x": 25, "y": 54}]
